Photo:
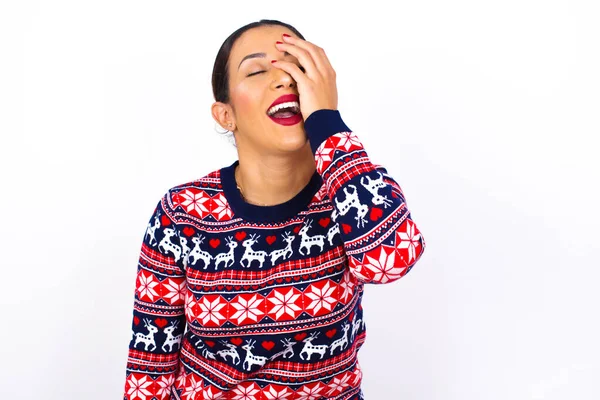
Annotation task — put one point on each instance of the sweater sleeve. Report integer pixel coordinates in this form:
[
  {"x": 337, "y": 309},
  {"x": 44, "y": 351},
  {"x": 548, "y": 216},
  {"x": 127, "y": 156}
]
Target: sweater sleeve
[
  {"x": 158, "y": 310},
  {"x": 380, "y": 238}
]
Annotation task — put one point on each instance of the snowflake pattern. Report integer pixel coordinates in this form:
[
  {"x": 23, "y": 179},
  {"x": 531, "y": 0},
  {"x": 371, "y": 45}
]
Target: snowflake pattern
[
  {"x": 210, "y": 311},
  {"x": 324, "y": 156},
  {"x": 286, "y": 304},
  {"x": 246, "y": 391},
  {"x": 346, "y": 288},
  {"x": 338, "y": 384},
  {"x": 175, "y": 291},
  {"x": 277, "y": 392},
  {"x": 145, "y": 286},
  {"x": 221, "y": 209},
  {"x": 311, "y": 391},
  {"x": 248, "y": 308},
  {"x": 271, "y": 307},
  {"x": 196, "y": 202},
  {"x": 321, "y": 297},
  {"x": 211, "y": 393},
  {"x": 409, "y": 240},
  {"x": 193, "y": 386},
  {"x": 164, "y": 386},
  {"x": 138, "y": 387},
  {"x": 346, "y": 141},
  {"x": 382, "y": 262}
]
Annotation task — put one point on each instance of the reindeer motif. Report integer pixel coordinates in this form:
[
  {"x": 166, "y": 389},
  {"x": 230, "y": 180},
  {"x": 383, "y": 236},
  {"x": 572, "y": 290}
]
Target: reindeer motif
[
  {"x": 227, "y": 256},
  {"x": 251, "y": 255},
  {"x": 335, "y": 229},
  {"x": 310, "y": 348},
  {"x": 167, "y": 246},
  {"x": 288, "y": 348},
  {"x": 199, "y": 340},
  {"x": 205, "y": 352},
  {"x": 149, "y": 338},
  {"x": 251, "y": 359},
  {"x": 355, "y": 326},
  {"x": 353, "y": 201},
  {"x": 373, "y": 186},
  {"x": 151, "y": 229},
  {"x": 184, "y": 250},
  {"x": 275, "y": 254},
  {"x": 308, "y": 241},
  {"x": 197, "y": 253},
  {"x": 231, "y": 351},
  {"x": 343, "y": 341},
  {"x": 171, "y": 339}
]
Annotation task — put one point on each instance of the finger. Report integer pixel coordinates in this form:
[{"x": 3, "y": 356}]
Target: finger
[
  {"x": 317, "y": 53},
  {"x": 292, "y": 69},
  {"x": 303, "y": 56}
]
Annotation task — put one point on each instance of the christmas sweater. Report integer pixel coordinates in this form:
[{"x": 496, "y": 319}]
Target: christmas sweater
[{"x": 240, "y": 301}]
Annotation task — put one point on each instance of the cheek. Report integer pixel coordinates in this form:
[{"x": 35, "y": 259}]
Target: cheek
[{"x": 246, "y": 101}]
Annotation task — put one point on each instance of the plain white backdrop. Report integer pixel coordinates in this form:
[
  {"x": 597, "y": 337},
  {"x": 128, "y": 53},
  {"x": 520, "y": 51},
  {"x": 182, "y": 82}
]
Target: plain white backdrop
[{"x": 486, "y": 113}]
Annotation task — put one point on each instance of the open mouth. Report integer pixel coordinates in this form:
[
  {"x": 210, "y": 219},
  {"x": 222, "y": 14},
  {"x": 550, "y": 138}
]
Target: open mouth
[
  {"x": 284, "y": 110},
  {"x": 287, "y": 113}
]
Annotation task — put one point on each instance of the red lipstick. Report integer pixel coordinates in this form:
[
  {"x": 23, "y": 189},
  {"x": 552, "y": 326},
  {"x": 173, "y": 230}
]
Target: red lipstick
[{"x": 294, "y": 119}]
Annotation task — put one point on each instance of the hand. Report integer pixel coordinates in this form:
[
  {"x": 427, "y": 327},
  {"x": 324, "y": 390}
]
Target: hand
[{"x": 316, "y": 86}]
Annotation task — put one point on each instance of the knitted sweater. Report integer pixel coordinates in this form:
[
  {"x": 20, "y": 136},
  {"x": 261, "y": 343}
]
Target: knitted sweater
[{"x": 239, "y": 301}]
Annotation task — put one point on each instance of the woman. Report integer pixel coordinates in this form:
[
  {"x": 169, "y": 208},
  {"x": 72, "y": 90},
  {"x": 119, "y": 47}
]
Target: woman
[{"x": 250, "y": 279}]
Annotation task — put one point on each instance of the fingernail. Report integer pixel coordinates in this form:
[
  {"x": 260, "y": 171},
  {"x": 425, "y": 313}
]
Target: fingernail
[
  {"x": 286, "y": 35},
  {"x": 278, "y": 42},
  {"x": 272, "y": 61}
]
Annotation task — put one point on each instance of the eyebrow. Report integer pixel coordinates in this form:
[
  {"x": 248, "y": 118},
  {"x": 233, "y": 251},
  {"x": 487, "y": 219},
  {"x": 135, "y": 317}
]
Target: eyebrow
[{"x": 258, "y": 55}]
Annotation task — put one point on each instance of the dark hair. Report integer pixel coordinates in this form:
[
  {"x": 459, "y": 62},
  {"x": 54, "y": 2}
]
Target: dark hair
[{"x": 220, "y": 74}]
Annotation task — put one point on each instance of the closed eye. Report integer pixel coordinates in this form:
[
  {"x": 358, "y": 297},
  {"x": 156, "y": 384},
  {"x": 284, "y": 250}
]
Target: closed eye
[
  {"x": 259, "y": 72},
  {"x": 254, "y": 73}
]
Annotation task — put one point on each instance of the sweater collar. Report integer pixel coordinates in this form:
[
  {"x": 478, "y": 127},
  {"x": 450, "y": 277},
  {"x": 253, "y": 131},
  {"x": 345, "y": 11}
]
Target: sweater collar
[{"x": 256, "y": 213}]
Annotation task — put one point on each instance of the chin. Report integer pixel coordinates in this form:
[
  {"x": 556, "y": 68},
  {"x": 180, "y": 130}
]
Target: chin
[{"x": 292, "y": 141}]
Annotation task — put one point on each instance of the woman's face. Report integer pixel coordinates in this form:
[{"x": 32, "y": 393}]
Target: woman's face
[{"x": 254, "y": 85}]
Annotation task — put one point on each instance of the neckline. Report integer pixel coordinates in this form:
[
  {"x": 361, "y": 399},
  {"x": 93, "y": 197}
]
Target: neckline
[{"x": 277, "y": 212}]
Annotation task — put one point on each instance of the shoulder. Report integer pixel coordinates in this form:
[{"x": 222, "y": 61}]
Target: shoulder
[{"x": 197, "y": 199}]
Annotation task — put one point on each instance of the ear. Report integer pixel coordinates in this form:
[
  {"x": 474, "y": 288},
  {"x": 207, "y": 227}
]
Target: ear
[{"x": 223, "y": 115}]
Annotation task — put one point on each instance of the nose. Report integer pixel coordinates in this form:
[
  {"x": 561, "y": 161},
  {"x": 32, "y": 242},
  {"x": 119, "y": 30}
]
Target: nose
[{"x": 282, "y": 79}]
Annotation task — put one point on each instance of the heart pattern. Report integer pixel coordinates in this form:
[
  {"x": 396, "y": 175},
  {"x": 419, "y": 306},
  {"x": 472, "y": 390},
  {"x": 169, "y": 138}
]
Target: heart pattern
[
  {"x": 188, "y": 231},
  {"x": 346, "y": 228},
  {"x": 376, "y": 213},
  {"x": 324, "y": 222},
  {"x": 268, "y": 291},
  {"x": 239, "y": 236},
  {"x": 165, "y": 221},
  {"x": 268, "y": 344},
  {"x": 160, "y": 322}
]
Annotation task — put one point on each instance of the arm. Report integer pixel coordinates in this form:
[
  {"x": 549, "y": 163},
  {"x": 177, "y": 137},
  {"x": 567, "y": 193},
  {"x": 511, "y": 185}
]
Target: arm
[
  {"x": 380, "y": 238},
  {"x": 158, "y": 313}
]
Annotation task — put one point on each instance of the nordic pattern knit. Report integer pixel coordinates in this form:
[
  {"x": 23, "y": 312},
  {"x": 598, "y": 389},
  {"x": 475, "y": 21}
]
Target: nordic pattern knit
[{"x": 239, "y": 301}]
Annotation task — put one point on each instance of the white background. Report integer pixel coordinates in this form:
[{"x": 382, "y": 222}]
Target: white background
[{"x": 485, "y": 112}]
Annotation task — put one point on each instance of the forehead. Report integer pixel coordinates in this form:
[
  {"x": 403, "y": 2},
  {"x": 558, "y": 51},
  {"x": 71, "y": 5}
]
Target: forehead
[{"x": 255, "y": 40}]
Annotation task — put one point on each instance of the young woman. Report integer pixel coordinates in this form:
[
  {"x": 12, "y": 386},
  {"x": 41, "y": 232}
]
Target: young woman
[{"x": 250, "y": 279}]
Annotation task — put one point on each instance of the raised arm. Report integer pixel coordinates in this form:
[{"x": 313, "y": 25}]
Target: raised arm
[{"x": 381, "y": 239}]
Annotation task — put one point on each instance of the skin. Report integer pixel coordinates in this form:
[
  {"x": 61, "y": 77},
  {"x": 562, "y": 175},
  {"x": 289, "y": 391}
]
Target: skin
[{"x": 275, "y": 161}]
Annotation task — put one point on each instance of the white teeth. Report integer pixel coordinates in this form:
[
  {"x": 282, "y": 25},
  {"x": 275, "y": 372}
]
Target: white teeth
[{"x": 294, "y": 104}]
